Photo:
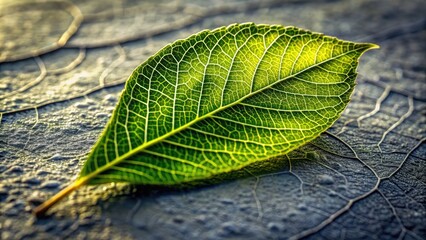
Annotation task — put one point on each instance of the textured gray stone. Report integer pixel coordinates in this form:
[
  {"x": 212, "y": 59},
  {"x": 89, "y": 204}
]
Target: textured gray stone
[{"x": 363, "y": 179}]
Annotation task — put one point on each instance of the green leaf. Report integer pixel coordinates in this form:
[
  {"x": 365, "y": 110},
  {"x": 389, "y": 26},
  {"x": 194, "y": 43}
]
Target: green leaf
[{"x": 220, "y": 100}]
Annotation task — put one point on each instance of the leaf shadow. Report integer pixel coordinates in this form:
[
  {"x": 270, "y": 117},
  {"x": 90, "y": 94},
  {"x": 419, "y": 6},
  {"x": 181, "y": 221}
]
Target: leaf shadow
[{"x": 251, "y": 189}]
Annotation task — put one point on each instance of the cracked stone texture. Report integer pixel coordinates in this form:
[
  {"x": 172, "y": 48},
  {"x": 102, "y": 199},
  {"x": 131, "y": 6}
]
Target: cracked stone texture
[{"x": 362, "y": 179}]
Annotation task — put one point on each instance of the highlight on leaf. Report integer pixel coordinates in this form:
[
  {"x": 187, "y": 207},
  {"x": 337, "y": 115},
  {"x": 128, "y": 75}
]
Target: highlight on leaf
[{"x": 219, "y": 101}]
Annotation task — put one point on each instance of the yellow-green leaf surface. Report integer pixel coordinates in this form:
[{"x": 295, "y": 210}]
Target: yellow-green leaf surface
[{"x": 222, "y": 99}]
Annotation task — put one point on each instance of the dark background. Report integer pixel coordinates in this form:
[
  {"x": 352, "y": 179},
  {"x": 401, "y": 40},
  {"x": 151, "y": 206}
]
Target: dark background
[{"x": 362, "y": 179}]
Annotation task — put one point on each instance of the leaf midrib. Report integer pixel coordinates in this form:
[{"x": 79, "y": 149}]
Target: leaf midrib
[{"x": 86, "y": 178}]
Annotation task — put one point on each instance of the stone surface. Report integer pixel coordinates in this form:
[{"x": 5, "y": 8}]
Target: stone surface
[{"x": 363, "y": 179}]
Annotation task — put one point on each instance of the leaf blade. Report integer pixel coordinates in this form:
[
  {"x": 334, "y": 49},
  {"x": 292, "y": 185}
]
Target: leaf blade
[{"x": 184, "y": 139}]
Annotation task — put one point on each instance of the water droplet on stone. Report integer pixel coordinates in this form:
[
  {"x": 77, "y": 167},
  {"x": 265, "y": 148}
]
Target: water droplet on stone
[
  {"x": 91, "y": 108},
  {"x": 50, "y": 184},
  {"x": 302, "y": 207},
  {"x": 201, "y": 219},
  {"x": 57, "y": 157},
  {"x": 332, "y": 194},
  {"x": 325, "y": 179},
  {"x": 110, "y": 98},
  {"x": 81, "y": 105},
  {"x": 273, "y": 226},
  {"x": 226, "y": 201}
]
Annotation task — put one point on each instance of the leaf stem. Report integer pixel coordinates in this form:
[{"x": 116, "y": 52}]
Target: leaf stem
[{"x": 41, "y": 210}]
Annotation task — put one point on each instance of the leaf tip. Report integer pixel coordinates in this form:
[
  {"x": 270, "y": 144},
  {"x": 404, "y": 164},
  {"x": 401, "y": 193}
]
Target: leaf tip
[
  {"x": 369, "y": 46},
  {"x": 373, "y": 46}
]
